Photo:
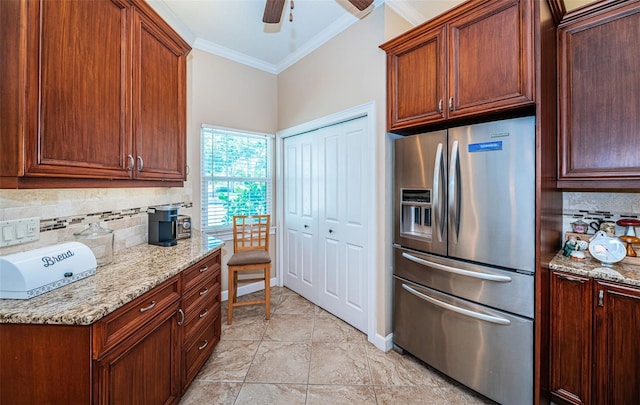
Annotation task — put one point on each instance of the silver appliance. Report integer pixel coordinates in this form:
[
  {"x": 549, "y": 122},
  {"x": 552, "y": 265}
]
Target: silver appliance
[{"x": 464, "y": 254}]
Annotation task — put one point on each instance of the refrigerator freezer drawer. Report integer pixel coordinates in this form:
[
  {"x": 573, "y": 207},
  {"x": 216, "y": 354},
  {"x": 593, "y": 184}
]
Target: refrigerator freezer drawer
[
  {"x": 506, "y": 290},
  {"x": 487, "y": 350}
]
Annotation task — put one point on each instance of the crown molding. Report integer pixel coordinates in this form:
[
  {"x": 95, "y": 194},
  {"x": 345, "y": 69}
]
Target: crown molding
[
  {"x": 169, "y": 16},
  {"x": 406, "y": 11},
  {"x": 235, "y": 56}
]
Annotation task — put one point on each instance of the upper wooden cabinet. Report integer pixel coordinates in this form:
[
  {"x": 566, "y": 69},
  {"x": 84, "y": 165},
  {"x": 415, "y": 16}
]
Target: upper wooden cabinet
[
  {"x": 99, "y": 94},
  {"x": 599, "y": 98},
  {"x": 475, "y": 59}
]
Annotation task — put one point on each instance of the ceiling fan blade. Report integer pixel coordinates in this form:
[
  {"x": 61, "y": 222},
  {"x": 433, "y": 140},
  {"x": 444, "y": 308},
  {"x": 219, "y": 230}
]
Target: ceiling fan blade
[
  {"x": 361, "y": 4},
  {"x": 273, "y": 11}
]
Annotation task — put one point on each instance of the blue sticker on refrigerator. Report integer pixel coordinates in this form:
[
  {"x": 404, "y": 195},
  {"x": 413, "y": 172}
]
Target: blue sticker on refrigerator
[{"x": 485, "y": 146}]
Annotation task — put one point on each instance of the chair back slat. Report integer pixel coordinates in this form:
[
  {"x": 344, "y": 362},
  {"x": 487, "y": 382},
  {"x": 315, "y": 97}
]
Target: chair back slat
[{"x": 251, "y": 232}]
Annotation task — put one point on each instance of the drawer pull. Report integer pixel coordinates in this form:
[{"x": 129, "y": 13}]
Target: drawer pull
[
  {"x": 204, "y": 313},
  {"x": 206, "y": 342},
  {"x": 203, "y": 292},
  {"x": 153, "y": 304},
  {"x": 203, "y": 269}
]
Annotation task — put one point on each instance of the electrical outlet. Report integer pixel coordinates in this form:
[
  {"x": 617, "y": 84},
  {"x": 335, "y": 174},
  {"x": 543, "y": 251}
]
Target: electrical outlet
[{"x": 18, "y": 231}]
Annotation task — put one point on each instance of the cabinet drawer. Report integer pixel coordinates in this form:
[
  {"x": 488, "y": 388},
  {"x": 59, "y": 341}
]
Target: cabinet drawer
[
  {"x": 120, "y": 324},
  {"x": 204, "y": 313},
  {"x": 201, "y": 270},
  {"x": 203, "y": 292},
  {"x": 197, "y": 353}
]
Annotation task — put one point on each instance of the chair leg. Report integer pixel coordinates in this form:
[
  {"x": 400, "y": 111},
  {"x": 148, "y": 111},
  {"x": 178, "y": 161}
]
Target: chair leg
[
  {"x": 231, "y": 299},
  {"x": 267, "y": 289}
]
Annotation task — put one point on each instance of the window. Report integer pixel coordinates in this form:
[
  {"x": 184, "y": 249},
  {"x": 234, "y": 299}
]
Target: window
[{"x": 236, "y": 176}]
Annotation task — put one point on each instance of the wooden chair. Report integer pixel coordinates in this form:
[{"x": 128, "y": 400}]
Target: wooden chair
[{"x": 250, "y": 252}]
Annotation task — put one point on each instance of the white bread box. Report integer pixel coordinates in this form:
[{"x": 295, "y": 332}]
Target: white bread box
[{"x": 28, "y": 274}]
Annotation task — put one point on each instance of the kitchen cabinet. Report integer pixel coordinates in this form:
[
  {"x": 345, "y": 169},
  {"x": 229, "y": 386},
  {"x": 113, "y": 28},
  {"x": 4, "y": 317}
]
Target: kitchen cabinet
[
  {"x": 599, "y": 98},
  {"x": 476, "y": 59},
  {"x": 99, "y": 94},
  {"x": 202, "y": 315},
  {"x": 594, "y": 350},
  {"x": 145, "y": 352}
]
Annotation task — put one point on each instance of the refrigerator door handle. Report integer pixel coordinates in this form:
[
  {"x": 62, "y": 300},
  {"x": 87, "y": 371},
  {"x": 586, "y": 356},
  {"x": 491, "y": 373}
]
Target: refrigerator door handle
[
  {"x": 449, "y": 269},
  {"x": 454, "y": 197},
  {"x": 438, "y": 172},
  {"x": 462, "y": 311}
]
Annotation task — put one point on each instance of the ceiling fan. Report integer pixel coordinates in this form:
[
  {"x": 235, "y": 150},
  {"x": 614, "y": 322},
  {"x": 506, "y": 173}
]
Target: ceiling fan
[{"x": 273, "y": 9}]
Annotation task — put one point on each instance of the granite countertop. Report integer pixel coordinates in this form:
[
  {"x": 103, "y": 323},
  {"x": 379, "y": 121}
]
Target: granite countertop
[
  {"x": 619, "y": 272},
  {"x": 132, "y": 272}
]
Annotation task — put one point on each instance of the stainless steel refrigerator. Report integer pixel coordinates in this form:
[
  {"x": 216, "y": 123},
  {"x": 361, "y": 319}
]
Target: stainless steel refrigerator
[{"x": 464, "y": 254}]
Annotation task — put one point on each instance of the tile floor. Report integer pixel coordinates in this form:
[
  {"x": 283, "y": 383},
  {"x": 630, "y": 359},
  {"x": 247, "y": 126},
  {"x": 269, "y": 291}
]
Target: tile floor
[{"x": 305, "y": 355}]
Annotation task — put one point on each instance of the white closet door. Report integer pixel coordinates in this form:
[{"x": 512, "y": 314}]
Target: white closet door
[
  {"x": 300, "y": 214},
  {"x": 342, "y": 228}
]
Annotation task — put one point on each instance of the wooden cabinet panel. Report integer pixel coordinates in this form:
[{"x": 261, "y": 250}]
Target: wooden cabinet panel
[
  {"x": 77, "y": 106},
  {"x": 599, "y": 94},
  {"x": 617, "y": 349},
  {"x": 490, "y": 54},
  {"x": 476, "y": 59},
  {"x": 144, "y": 369},
  {"x": 159, "y": 102},
  {"x": 570, "y": 334}
]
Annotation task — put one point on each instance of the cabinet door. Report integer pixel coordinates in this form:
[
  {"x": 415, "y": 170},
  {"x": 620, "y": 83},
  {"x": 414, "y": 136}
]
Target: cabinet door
[
  {"x": 416, "y": 81},
  {"x": 144, "y": 369},
  {"x": 570, "y": 337},
  {"x": 617, "y": 346},
  {"x": 599, "y": 85},
  {"x": 159, "y": 101},
  {"x": 78, "y": 70},
  {"x": 491, "y": 58}
]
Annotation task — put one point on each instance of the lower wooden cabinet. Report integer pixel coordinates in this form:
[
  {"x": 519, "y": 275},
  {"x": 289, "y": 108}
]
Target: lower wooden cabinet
[
  {"x": 594, "y": 340},
  {"x": 146, "y": 352}
]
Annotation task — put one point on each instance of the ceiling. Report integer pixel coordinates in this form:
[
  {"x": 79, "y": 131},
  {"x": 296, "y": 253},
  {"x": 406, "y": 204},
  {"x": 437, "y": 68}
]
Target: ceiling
[{"x": 234, "y": 28}]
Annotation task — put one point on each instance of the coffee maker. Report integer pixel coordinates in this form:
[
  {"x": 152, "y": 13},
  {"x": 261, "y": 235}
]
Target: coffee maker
[{"x": 162, "y": 225}]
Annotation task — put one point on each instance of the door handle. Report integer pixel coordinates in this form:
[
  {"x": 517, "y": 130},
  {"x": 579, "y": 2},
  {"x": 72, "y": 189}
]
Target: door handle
[
  {"x": 438, "y": 171},
  {"x": 181, "y": 321},
  {"x": 131, "y": 163},
  {"x": 140, "y": 163},
  {"x": 449, "y": 269},
  {"x": 462, "y": 311},
  {"x": 454, "y": 191}
]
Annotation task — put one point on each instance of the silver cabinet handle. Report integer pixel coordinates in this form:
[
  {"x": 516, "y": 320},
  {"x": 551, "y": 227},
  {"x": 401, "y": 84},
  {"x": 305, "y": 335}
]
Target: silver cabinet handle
[
  {"x": 462, "y": 311},
  {"x": 450, "y": 103},
  {"x": 140, "y": 163},
  {"x": 474, "y": 274},
  {"x": 153, "y": 304},
  {"x": 181, "y": 321},
  {"x": 132, "y": 163},
  {"x": 204, "y": 313},
  {"x": 204, "y": 344},
  {"x": 203, "y": 292},
  {"x": 569, "y": 278},
  {"x": 203, "y": 269},
  {"x": 440, "y": 106},
  {"x": 601, "y": 298}
]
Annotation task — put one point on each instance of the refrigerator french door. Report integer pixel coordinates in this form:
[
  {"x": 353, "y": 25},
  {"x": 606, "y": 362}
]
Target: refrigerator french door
[{"x": 464, "y": 254}]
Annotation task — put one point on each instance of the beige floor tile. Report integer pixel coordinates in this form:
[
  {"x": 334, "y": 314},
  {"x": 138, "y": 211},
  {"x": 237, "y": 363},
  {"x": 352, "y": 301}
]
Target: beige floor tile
[
  {"x": 244, "y": 328},
  {"x": 290, "y": 328},
  {"x": 281, "y": 362},
  {"x": 272, "y": 394},
  {"x": 418, "y": 395},
  {"x": 457, "y": 394},
  {"x": 341, "y": 395},
  {"x": 294, "y": 304},
  {"x": 339, "y": 363},
  {"x": 205, "y": 392},
  {"x": 230, "y": 361},
  {"x": 328, "y": 328},
  {"x": 392, "y": 368}
]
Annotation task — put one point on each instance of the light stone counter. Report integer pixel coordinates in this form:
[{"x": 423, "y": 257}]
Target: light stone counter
[
  {"x": 619, "y": 272},
  {"x": 132, "y": 272}
]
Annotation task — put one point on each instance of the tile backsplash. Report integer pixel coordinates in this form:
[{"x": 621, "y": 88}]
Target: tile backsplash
[
  {"x": 594, "y": 206},
  {"x": 63, "y": 212}
]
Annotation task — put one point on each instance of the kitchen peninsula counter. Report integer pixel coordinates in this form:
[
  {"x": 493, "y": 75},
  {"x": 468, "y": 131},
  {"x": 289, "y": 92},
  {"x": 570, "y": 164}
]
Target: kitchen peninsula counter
[
  {"x": 132, "y": 272},
  {"x": 620, "y": 272}
]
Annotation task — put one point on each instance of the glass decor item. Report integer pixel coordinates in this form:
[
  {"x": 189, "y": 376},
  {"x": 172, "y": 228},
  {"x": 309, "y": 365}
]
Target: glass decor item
[{"x": 99, "y": 240}]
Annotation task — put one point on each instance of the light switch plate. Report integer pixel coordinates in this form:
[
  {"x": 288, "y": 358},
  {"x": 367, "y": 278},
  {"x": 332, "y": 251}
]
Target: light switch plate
[{"x": 18, "y": 231}]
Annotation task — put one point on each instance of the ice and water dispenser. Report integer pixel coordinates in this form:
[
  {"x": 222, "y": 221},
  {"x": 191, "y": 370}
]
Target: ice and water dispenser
[{"x": 416, "y": 213}]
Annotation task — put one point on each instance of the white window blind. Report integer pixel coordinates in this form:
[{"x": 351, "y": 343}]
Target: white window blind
[{"x": 236, "y": 176}]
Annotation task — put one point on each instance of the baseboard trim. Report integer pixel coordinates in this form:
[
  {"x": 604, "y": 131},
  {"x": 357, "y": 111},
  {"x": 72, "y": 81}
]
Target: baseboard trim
[
  {"x": 248, "y": 289},
  {"x": 384, "y": 343}
]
